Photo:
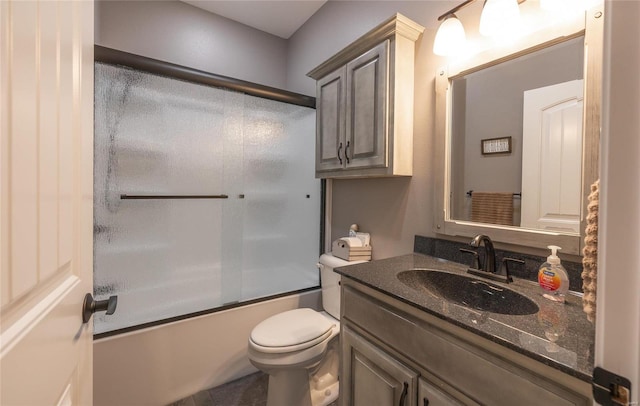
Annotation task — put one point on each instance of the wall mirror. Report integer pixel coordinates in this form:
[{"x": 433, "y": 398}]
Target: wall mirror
[{"x": 518, "y": 137}]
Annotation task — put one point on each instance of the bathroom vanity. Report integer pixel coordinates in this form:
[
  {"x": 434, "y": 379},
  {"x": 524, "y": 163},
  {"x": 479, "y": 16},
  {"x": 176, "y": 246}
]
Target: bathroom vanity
[{"x": 404, "y": 344}]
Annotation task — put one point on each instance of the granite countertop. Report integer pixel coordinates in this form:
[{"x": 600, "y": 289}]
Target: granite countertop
[{"x": 558, "y": 335}]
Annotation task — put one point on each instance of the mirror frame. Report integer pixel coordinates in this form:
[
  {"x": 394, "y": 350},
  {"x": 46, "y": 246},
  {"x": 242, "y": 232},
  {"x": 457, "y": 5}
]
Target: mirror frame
[{"x": 592, "y": 27}]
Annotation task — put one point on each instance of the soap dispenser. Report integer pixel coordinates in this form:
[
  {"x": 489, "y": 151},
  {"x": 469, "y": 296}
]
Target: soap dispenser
[{"x": 553, "y": 278}]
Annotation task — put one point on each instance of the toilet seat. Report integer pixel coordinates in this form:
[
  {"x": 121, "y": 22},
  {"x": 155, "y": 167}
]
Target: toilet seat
[{"x": 289, "y": 331}]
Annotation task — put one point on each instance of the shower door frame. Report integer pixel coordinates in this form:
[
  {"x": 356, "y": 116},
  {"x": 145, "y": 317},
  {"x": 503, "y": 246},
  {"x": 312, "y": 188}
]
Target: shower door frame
[
  {"x": 116, "y": 57},
  {"x": 153, "y": 66}
]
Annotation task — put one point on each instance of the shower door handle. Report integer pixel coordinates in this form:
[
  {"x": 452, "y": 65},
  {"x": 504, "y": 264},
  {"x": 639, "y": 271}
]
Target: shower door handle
[{"x": 90, "y": 306}]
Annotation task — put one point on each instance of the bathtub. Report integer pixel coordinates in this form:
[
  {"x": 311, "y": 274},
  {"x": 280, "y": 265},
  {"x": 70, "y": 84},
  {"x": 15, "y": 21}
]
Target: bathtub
[{"x": 165, "y": 363}]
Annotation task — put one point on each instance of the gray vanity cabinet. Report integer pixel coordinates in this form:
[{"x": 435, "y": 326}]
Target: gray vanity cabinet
[
  {"x": 375, "y": 377},
  {"x": 430, "y": 395},
  {"x": 364, "y": 104},
  {"x": 386, "y": 343}
]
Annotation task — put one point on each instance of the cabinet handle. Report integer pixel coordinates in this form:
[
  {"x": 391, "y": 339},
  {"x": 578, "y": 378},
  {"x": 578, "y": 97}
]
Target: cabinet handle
[
  {"x": 340, "y": 149},
  {"x": 426, "y": 402},
  {"x": 403, "y": 397},
  {"x": 346, "y": 151}
]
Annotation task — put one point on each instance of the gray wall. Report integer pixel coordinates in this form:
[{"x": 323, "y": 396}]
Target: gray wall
[
  {"x": 393, "y": 210},
  {"x": 180, "y": 33}
]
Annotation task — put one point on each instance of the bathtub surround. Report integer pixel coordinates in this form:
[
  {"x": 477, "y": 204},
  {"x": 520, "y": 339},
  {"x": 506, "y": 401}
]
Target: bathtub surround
[
  {"x": 450, "y": 250},
  {"x": 160, "y": 365}
]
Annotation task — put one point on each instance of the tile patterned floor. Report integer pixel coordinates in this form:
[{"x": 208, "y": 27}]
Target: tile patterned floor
[{"x": 248, "y": 391}]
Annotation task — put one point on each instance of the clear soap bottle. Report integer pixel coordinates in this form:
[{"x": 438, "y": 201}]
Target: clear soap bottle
[{"x": 553, "y": 278}]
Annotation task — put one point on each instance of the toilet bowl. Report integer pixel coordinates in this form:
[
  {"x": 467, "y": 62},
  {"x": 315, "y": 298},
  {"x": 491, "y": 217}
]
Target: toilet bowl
[{"x": 299, "y": 348}]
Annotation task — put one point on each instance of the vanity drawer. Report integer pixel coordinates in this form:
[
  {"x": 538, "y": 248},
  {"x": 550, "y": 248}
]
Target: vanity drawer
[{"x": 483, "y": 376}]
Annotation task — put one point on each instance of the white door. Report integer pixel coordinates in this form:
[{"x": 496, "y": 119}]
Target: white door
[
  {"x": 551, "y": 157},
  {"x": 46, "y": 173},
  {"x": 618, "y": 301}
]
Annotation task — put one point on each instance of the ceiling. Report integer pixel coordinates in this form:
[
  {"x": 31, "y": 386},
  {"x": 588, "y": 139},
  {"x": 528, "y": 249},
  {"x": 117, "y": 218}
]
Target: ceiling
[{"x": 281, "y": 18}]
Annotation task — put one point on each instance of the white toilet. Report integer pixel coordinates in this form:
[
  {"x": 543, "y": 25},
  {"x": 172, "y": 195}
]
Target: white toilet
[{"x": 299, "y": 348}]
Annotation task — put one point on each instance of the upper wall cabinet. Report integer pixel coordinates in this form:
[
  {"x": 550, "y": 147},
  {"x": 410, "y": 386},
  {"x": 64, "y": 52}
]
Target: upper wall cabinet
[{"x": 364, "y": 120}]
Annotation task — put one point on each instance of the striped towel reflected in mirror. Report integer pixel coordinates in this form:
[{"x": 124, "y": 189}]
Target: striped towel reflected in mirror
[{"x": 492, "y": 207}]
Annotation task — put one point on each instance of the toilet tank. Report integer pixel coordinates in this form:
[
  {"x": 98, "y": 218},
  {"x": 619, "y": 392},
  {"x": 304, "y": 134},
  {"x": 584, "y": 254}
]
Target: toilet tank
[{"x": 330, "y": 282}]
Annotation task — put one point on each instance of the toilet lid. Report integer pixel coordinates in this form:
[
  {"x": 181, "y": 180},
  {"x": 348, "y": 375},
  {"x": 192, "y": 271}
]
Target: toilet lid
[{"x": 291, "y": 328}]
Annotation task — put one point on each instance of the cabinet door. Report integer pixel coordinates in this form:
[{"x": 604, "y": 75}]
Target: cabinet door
[
  {"x": 430, "y": 395},
  {"x": 367, "y": 109},
  {"x": 372, "y": 377},
  {"x": 330, "y": 113}
]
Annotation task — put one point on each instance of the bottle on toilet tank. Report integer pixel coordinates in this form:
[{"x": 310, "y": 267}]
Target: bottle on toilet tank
[{"x": 553, "y": 278}]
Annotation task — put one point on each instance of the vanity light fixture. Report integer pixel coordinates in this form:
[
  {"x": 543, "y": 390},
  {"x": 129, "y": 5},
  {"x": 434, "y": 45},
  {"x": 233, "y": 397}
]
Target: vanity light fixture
[
  {"x": 566, "y": 8},
  {"x": 450, "y": 38},
  {"x": 498, "y": 18},
  {"x": 558, "y": 5}
]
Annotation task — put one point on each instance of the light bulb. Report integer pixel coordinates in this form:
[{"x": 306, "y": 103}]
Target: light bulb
[
  {"x": 550, "y": 5},
  {"x": 500, "y": 18},
  {"x": 559, "y": 5},
  {"x": 450, "y": 38},
  {"x": 565, "y": 8}
]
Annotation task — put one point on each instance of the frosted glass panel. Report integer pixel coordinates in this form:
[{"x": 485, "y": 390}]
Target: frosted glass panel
[
  {"x": 165, "y": 257},
  {"x": 279, "y": 165}
]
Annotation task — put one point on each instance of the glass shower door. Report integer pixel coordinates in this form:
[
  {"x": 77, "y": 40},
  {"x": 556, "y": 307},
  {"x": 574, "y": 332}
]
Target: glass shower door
[
  {"x": 200, "y": 197},
  {"x": 282, "y": 199}
]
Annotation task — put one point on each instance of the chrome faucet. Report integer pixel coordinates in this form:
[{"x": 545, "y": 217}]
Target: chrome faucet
[{"x": 489, "y": 264}]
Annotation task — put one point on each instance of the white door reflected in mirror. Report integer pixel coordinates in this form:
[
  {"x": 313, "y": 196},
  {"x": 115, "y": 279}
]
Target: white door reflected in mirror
[{"x": 552, "y": 164}]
